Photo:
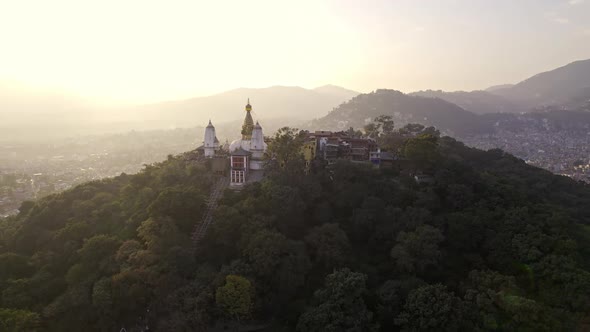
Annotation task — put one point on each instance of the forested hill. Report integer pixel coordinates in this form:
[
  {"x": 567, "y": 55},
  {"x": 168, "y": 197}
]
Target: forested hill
[
  {"x": 490, "y": 244},
  {"x": 446, "y": 116},
  {"x": 552, "y": 88},
  {"x": 430, "y": 110},
  {"x": 478, "y": 102}
]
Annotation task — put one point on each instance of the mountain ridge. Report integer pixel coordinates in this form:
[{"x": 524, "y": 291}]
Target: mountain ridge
[
  {"x": 477, "y": 101},
  {"x": 289, "y": 102},
  {"x": 404, "y": 108},
  {"x": 550, "y": 88}
]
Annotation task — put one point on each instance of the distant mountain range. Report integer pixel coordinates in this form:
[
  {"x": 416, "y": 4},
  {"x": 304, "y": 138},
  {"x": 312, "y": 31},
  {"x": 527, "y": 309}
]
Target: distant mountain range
[
  {"x": 448, "y": 117},
  {"x": 277, "y": 102},
  {"x": 498, "y": 87},
  {"x": 479, "y": 102},
  {"x": 567, "y": 87},
  {"x": 27, "y": 114},
  {"x": 31, "y": 115},
  {"x": 553, "y": 88}
]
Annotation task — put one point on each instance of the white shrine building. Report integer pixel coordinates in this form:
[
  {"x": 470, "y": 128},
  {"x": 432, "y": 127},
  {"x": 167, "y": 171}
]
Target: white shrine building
[{"x": 246, "y": 153}]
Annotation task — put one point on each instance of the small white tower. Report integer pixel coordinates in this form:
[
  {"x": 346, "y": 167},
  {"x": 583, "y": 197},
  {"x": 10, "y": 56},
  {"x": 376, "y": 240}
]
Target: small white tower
[
  {"x": 211, "y": 144},
  {"x": 257, "y": 147}
]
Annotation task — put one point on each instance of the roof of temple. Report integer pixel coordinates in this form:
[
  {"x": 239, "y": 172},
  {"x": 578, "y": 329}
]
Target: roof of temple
[{"x": 241, "y": 152}]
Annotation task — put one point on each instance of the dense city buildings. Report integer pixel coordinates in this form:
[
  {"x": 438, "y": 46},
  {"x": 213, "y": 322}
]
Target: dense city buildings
[
  {"x": 561, "y": 152},
  {"x": 31, "y": 170}
]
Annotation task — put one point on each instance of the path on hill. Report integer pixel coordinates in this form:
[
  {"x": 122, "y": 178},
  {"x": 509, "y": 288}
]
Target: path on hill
[{"x": 214, "y": 196}]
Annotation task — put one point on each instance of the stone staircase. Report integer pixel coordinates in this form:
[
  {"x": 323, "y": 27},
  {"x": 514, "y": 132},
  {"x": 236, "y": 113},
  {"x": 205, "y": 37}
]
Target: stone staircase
[{"x": 216, "y": 193}]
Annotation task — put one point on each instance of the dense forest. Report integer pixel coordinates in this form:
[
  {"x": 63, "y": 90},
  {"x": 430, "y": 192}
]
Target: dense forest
[{"x": 490, "y": 244}]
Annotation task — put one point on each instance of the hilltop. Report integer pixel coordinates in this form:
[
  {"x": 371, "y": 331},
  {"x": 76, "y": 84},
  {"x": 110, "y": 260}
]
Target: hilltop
[
  {"x": 497, "y": 243},
  {"x": 404, "y": 109}
]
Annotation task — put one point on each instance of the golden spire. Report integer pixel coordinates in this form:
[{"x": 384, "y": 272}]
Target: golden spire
[
  {"x": 248, "y": 106},
  {"x": 248, "y": 123}
]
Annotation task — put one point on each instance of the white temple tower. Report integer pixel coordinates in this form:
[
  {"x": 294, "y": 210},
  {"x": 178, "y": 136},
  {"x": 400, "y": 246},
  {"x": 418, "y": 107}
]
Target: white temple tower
[
  {"x": 211, "y": 144},
  {"x": 257, "y": 147},
  {"x": 247, "y": 153}
]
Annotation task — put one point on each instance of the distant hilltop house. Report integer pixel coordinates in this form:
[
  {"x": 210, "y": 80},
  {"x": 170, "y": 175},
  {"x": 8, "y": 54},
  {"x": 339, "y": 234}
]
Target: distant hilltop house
[
  {"x": 331, "y": 146},
  {"x": 245, "y": 154}
]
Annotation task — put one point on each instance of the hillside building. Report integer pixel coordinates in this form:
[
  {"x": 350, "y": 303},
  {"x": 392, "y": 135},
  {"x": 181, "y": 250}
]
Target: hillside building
[
  {"x": 211, "y": 143},
  {"x": 331, "y": 146},
  {"x": 245, "y": 154}
]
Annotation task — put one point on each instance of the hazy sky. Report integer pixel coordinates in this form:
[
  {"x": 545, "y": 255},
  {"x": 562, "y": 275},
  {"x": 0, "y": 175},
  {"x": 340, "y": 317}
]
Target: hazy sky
[{"x": 144, "y": 50}]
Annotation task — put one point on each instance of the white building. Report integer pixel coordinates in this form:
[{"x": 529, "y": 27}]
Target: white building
[
  {"x": 246, "y": 153},
  {"x": 211, "y": 143}
]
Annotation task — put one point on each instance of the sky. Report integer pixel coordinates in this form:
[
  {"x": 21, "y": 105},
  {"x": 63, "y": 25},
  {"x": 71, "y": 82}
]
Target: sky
[{"x": 140, "y": 51}]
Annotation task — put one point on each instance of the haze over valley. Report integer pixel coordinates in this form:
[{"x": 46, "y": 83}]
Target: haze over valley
[{"x": 67, "y": 141}]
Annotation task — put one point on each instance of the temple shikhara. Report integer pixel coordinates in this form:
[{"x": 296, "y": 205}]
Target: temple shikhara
[{"x": 245, "y": 153}]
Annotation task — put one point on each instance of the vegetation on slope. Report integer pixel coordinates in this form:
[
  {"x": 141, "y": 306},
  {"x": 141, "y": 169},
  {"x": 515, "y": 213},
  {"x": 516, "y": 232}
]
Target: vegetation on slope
[
  {"x": 491, "y": 244},
  {"x": 446, "y": 116}
]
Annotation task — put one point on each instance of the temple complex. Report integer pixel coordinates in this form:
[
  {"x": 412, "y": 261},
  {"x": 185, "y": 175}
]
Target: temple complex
[{"x": 245, "y": 154}]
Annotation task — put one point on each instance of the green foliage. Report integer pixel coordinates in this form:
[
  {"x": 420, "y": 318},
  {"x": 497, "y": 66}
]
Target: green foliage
[
  {"x": 14, "y": 266},
  {"x": 329, "y": 245},
  {"x": 284, "y": 153},
  {"x": 340, "y": 305},
  {"x": 18, "y": 321},
  {"x": 489, "y": 244},
  {"x": 160, "y": 234},
  {"x": 235, "y": 297},
  {"x": 422, "y": 150},
  {"x": 418, "y": 249},
  {"x": 431, "y": 308},
  {"x": 382, "y": 125}
]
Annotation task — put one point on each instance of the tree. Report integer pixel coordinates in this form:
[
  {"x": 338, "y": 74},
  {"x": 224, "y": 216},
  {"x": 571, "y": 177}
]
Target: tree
[
  {"x": 391, "y": 296},
  {"x": 19, "y": 320},
  {"x": 160, "y": 234},
  {"x": 386, "y": 124},
  {"x": 329, "y": 245},
  {"x": 351, "y": 132},
  {"x": 96, "y": 257},
  {"x": 382, "y": 125},
  {"x": 264, "y": 250},
  {"x": 235, "y": 297},
  {"x": 412, "y": 129},
  {"x": 422, "y": 150},
  {"x": 371, "y": 130},
  {"x": 418, "y": 249},
  {"x": 341, "y": 306},
  {"x": 431, "y": 308},
  {"x": 285, "y": 149},
  {"x": 14, "y": 266},
  {"x": 184, "y": 206},
  {"x": 98, "y": 248}
]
